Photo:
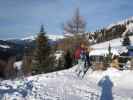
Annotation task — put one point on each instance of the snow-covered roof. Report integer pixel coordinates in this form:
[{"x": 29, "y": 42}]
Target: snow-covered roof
[{"x": 103, "y": 52}]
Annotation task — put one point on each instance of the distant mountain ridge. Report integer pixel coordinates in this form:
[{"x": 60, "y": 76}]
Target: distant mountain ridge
[
  {"x": 50, "y": 37},
  {"x": 16, "y": 47}
]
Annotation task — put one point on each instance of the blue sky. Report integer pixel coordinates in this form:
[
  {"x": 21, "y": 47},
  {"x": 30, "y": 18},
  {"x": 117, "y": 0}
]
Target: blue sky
[{"x": 21, "y": 18}]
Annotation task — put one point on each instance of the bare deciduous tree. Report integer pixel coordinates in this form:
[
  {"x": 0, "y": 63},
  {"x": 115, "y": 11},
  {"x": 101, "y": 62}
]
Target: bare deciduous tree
[{"x": 76, "y": 25}]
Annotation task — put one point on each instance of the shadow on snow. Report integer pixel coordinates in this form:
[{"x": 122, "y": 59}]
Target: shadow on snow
[{"x": 106, "y": 85}]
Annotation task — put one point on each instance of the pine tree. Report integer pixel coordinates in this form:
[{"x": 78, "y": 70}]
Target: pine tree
[
  {"x": 61, "y": 63},
  {"x": 109, "y": 53},
  {"x": 109, "y": 49},
  {"x": 68, "y": 59},
  {"x": 126, "y": 41},
  {"x": 108, "y": 58},
  {"x": 43, "y": 59},
  {"x": 27, "y": 61}
]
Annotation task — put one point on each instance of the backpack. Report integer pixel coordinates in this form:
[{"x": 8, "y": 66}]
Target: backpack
[{"x": 77, "y": 53}]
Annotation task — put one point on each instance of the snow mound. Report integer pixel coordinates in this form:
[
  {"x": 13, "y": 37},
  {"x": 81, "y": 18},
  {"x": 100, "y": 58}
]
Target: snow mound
[{"x": 66, "y": 85}]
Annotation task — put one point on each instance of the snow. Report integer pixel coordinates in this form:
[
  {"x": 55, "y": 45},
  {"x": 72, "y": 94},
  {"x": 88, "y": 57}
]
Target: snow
[
  {"x": 18, "y": 65},
  {"x": 58, "y": 54},
  {"x": 116, "y": 47},
  {"x": 68, "y": 35},
  {"x": 50, "y": 36},
  {"x": 103, "y": 52},
  {"x": 55, "y": 37},
  {"x": 4, "y": 46},
  {"x": 120, "y": 22},
  {"x": 32, "y": 37},
  {"x": 129, "y": 28},
  {"x": 65, "y": 85},
  {"x": 115, "y": 43},
  {"x": 122, "y": 80}
]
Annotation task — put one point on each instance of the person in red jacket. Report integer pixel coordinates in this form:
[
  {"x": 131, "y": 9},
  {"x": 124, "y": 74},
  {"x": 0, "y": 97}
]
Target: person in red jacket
[
  {"x": 78, "y": 51},
  {"x": 80, "y": 57}
]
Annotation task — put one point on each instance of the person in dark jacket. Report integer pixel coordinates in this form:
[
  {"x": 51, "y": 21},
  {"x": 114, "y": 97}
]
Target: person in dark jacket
[{"x": 87, "y": 62}]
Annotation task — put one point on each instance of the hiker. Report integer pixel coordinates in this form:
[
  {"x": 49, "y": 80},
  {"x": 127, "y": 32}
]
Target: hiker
[
  {"x": 81, "y": 57},
  {"x": 78, "y": 52},
  {"x": 87, "y": 60}
]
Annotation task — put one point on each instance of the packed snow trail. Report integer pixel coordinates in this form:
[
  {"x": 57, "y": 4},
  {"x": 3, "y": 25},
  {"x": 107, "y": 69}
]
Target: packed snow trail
[{"x": 64, "y": 85}]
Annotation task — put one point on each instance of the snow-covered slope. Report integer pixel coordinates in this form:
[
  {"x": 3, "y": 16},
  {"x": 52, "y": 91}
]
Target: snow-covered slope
[
  {"x": 116, "y": 47},
  {"x": 129, "y": 29},
  {"x": 126, "y": 21},
  {"x": 115, "y": 43},
  {"x": 65, "y": 85}
]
